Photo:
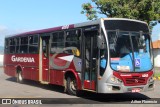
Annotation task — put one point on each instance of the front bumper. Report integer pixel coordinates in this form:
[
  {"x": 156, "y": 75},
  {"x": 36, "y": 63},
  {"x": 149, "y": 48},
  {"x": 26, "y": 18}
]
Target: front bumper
[{"x": 114, "y": 88}]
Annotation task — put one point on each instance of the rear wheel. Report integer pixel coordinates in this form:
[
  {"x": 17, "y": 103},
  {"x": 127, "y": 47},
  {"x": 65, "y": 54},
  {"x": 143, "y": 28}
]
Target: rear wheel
[
  {"x": 71, "y": 86},
  {"x": 19, "y": 77}
]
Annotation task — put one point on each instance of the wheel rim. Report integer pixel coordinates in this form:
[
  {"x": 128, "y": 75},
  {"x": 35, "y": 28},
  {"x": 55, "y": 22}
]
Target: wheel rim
[
  {"x": 73, "y": 85},
  {"x": 20, "y": 77}
]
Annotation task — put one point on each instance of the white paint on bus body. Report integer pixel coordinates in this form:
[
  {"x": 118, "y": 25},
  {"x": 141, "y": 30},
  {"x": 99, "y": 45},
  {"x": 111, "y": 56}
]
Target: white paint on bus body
[
  {"x": 22, "y": 59},
  {"x": 67, "y": 58},
  {"x": 65, "y": 27}
]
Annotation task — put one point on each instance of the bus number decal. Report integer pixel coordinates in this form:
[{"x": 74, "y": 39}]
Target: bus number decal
[
  {"x": 65, "y": 27},
  {"x": 144, "y": 75}
]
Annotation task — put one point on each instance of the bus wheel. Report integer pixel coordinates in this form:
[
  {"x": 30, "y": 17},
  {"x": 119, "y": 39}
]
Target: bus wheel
[
  {"x": 19, "y": 77},
  {"x": 71, "y": 86}
]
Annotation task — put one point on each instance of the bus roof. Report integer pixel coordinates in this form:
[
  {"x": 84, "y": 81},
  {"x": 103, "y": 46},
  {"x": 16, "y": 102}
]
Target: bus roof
[
  {"x": 41, "y": 31},
  {"x": 125, "y": 19},
  {"x": 71, "y": 26},
  {"x": 56, "y": 28}
]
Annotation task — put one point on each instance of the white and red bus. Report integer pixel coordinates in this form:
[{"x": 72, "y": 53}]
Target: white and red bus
[{"x": 108, "y": 55}]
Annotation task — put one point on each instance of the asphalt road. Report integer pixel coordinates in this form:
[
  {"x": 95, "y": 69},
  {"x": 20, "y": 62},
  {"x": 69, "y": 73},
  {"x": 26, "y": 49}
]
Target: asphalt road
[{"x": 9, "y": 88}]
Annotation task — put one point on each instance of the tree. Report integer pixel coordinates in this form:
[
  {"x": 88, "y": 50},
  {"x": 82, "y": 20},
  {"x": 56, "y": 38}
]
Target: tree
[{"x": 145, "y": 10}]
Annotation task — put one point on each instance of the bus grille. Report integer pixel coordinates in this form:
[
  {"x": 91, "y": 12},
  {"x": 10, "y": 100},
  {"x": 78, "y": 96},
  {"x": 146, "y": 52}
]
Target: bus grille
[{"x": 135, "y": 81}]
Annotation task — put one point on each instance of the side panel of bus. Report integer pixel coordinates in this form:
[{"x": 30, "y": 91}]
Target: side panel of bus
[
  {"x": 21, "y": 53},
  {"x": 64, "y": 54},
  {"x": 28, "y": 65}
]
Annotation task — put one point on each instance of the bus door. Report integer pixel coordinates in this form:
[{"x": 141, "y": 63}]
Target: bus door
[
  {"x": 44, "y": 58},
  {"x": 89, "y": 76}
]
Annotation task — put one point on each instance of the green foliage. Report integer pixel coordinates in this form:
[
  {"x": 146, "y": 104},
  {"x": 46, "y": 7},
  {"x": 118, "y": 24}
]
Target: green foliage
[
  {"x": 90, "y": 12},
  {"x": 157, "y": 74},
  {"x": 145, "y": 10}
]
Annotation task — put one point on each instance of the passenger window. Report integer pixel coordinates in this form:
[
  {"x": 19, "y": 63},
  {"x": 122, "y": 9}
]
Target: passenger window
[
  {"x": 12, "y": 45},
  {"x": 57, "y": 44},
  {"x": 33, "y": 39},
  {"x": 72, "y": 44},
  {"x": 73, "y": 35},
  {"x": 33, "y": 44},
  {"x": 24, "y": 40},
  {"x": 6, "y": 45},
  {"x": 17, "y": 45},
  {"x": 24, "y": 44},
  {"x": 58, "y": 37}
]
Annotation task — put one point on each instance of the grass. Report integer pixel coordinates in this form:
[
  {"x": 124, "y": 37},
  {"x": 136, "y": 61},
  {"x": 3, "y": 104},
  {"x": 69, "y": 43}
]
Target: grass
[{"x": 157, "y": 74}]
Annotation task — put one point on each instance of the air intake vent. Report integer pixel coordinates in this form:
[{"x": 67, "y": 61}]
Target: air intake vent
[{"x": 135, "y": 81}]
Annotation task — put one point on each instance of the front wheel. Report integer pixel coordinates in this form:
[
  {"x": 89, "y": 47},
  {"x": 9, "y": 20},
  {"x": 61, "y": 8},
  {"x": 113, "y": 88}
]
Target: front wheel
[{"x": 71, "y": 86}]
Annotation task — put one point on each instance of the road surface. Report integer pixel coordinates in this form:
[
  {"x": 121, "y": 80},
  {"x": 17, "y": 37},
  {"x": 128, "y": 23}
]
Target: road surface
[{"x": 9, "y": 88}]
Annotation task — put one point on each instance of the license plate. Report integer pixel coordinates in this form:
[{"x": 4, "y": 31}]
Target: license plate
[{"x": 134, "y": 90}]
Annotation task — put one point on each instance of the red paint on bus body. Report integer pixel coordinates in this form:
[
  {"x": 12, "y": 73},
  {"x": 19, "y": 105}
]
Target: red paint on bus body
[
  {"x": 58, "y": 77},
  {"x": 78, "y": 80},
  {"x": 29, "y": 69},
  {"x": 45, "y": 68},
  {"x": 91, "y": 85},
  {"x": 57, "y": 61}
]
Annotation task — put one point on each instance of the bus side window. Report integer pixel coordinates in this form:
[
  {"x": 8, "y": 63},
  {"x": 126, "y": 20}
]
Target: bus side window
[
  {"x": 6, "y": 45},
  {"x": 11, "y": 45},
  {"x": 33, "y": 44},
  {"x": 24, "y": 44},
  {"x": 17, "y": 45},
  {"x": 57, "y": 42},
  {"x": 72, "y": 44}
]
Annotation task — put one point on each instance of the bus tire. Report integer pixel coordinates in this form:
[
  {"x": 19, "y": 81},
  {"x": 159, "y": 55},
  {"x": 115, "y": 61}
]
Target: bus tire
[
  {"x": 71, "y": 86},
  {"x": 19, "y": 77}
]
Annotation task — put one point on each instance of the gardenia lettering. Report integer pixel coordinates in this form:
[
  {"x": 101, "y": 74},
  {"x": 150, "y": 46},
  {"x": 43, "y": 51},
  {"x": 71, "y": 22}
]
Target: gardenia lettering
[{"x": 22, "y": 59}]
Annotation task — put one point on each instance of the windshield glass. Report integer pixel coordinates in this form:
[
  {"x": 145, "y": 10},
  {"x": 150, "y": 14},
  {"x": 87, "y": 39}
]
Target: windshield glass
[{"x": 129, "y": 51}]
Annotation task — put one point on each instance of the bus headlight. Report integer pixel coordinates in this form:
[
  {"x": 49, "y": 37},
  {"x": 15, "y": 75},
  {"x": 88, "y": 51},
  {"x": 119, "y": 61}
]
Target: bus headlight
[
  {"x": 151, "y": 79},
  {"x": 113, "y": 79},
  {"x": 116, "y": 80}
]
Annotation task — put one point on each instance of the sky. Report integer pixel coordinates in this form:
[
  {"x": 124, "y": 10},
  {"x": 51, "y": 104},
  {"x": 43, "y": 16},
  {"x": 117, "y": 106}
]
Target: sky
[
  {"x": 156, "y": 33},
  {"x": 26, "y": 15}
]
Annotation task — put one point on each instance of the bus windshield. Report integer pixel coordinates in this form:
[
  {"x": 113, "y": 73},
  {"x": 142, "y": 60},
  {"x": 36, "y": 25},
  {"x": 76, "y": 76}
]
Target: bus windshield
[{"x": 129, "y": 51}]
